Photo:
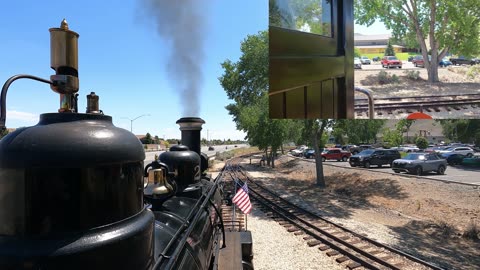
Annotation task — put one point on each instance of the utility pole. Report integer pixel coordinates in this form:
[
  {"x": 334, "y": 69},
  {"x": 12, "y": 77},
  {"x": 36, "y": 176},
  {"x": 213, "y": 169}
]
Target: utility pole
[{"x": 131, "y": 120}]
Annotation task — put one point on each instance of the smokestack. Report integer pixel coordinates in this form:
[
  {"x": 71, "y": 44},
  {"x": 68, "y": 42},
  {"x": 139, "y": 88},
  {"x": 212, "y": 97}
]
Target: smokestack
[{"x": 190, "y": 127}]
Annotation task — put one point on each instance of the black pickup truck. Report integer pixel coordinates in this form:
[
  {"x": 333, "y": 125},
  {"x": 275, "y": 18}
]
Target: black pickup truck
[{"x": 464, "y": 61}]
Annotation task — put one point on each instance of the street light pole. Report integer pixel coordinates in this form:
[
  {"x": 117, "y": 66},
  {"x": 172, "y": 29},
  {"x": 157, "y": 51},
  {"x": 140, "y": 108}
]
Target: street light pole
[{"x": 131, "y": 120}]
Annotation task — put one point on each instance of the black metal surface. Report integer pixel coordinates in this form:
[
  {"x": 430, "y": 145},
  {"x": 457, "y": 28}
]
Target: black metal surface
[
  {"x": 184, "y": 163},
  {"x": 70, "y": 140},
  {"x": 127, "y": 244},
  {"x": 190, "y": 128}
]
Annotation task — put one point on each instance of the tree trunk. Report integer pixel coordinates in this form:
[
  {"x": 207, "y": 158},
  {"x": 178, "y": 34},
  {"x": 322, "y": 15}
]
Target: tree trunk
[
  {"x": 318, "y": 155},
  {"x": 272, "y": 156},
  {"x": 281, "y": 147}
]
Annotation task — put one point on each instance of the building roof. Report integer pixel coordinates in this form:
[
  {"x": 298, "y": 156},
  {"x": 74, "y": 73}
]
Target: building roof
[{"x": 360, "y": 37}]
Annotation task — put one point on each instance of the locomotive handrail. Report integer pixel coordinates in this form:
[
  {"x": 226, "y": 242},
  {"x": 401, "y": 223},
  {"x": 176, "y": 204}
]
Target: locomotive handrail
[
  {"x": 3, "y": 97},
  {"x": 188, "y": 225},
  {"x": 371, "y": 104}
]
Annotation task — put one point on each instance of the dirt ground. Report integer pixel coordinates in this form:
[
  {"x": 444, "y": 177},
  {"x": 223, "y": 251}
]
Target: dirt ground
[
  {"x": 428, "y": 219},
  {"x": 453, "y": 80}
]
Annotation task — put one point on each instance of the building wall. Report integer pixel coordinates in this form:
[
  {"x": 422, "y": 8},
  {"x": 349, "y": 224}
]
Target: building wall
[{"x": 377, "y": 50}]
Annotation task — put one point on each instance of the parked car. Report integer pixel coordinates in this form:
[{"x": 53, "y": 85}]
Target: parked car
[
  {"x": 357, "y": 149},
  {"x": 298, "y": 152},
  {"x": 408, "y": 148},
  {"x": 419, "y": 163},
  {"x": 365, "y": 60},
  {"x": 465, "y": 151},
  {"x": 418, "y": 61},
  {"x": 376, "y": 58},
  {"x": 410, "y": 58},
  {"x": 309, "y": 153},
  {"x": 391, "y": 61},
  {"x": 453, "y": 158},
  {"x": 357, "y": 64},
  {"x": 378, "y": 157},
  {"x": 211, "y": 148},
  {"x": 444, "y": 62},
  {"x": 335, "y": 153},
  {"x": 462, "y": 60}
]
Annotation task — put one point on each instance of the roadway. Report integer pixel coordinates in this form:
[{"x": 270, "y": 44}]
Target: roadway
[
  {"x": 461, "y": 174},
  {"x": 149, "y": 156},
  {"x": 405, "y": 65}
]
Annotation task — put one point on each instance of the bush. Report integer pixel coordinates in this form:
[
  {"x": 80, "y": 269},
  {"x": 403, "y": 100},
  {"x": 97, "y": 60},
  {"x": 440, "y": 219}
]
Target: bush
[
  {"x": 385, "y": 78},
  {"x": 472, "y": 231},
  {"x": 412, "y": 74},
  {"x": 421, "y": 143},
  {"x": 473, "y": 72}
]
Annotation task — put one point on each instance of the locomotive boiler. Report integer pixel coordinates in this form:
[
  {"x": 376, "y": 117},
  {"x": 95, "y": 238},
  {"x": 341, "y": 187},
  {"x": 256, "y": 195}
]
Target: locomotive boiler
[{"x": 75, "y": 194}]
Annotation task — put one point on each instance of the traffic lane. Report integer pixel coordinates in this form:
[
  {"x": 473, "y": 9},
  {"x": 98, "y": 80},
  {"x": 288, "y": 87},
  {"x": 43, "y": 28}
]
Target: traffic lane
[
  {"x": 150, "y": 156},
  {"x": 462, "y": 174}
]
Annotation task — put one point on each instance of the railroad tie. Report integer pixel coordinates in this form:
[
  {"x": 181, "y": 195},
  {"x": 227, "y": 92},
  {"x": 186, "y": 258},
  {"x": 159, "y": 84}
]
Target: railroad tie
[
  {"x": 342, "y": 259},
  {"x": 299, "y": 233},
  {"x": 293, "y": 229},
  {"x": 323, "y": 247},
  {"x": 308, "y": 237},
  {"x": 332, "y": 253},
  {"x": 313, "y": 243},
  {"x": 353, "y": 265}
]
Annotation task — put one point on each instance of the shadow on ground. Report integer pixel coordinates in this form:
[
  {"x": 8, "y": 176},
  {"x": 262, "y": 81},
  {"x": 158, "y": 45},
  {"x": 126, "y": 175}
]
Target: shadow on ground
[
  {"x": 439, "y": 244},
  {"x": 342, "y": 196}
]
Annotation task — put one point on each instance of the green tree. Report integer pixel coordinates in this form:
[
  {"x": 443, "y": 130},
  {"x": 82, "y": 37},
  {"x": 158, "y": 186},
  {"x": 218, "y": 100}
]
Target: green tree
[
  {"x": 392, "y": 137},
  {"x": 448, "y": 25},
  {"x": 389, "y": 51},
  {"x": 246, "y": 83},
  {"x": 463, "y": 130},
  {"x": 356, "y": 52},
  {"x": 3, "y": 133},
  {"x": 357, "y": 131},
  {"x": 421, "y": 143},
  {"x": 403, "y": 125},
  {"x": 148, "y": 139}
]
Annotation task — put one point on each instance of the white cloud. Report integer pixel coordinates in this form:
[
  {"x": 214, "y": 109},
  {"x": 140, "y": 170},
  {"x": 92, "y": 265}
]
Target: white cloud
[{"x": 22, "y": 116}]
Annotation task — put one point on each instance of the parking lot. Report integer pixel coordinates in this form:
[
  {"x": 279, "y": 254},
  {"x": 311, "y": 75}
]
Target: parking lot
[
  {"x": 405, "y": 65},
  {"x": 461, "y": 174}
]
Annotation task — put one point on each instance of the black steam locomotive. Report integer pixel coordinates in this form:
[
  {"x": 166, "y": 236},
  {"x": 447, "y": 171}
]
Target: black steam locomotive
[{"x": 74, "y": 192}]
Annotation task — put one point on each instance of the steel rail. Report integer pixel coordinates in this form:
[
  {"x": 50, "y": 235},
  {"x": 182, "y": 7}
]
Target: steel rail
[{"x": 391, "y": 249}]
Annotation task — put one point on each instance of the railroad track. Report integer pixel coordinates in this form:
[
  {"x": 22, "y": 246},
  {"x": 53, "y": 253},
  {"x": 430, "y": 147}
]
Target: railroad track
[
  {"x": 350, "y": 249},
  {"x": 427, "y": 104}
]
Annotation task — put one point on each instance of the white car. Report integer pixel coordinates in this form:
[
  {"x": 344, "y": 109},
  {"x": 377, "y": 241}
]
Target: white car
[
  {"x": 298, "y": 151},
  {"x": 357, "y": 64},
  {"x": 465, "y": 151},
  {"x": 365, "y": 60}
]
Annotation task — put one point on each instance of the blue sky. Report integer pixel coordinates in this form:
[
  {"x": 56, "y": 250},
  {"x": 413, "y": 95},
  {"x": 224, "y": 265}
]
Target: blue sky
[{"x": 123, "y": 60}]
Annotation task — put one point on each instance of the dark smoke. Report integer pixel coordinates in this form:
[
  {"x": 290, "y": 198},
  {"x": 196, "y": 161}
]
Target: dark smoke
[{"x": 182, "y": 24}]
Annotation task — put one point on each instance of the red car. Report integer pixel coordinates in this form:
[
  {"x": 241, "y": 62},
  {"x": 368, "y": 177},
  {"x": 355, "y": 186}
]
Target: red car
[
  {"x": 335, "y": 153},
  {"x": 391, "y": 61}
]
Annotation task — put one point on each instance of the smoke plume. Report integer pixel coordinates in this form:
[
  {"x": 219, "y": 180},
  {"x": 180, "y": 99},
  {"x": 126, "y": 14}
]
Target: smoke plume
[{"x": 183, "y": 25}]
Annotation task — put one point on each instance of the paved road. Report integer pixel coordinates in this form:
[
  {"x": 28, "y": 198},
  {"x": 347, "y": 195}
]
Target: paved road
[
  {"x": 149, "y": 156},
  {"x": 405, "y": 65},
  {"x": 462, "y": 174}
]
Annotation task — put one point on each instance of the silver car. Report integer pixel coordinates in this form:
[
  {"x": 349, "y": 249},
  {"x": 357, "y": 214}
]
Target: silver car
[
  {"x": 462, "y": 150},
  {"x": 419, "y": 163}
]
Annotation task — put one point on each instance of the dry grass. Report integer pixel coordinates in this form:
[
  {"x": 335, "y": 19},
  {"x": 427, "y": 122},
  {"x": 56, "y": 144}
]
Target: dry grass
[{"x": 472, "y": 231}]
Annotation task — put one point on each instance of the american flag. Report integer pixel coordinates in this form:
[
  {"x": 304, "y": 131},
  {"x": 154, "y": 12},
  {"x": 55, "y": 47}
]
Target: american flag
[{"x": 242, "y": 200}]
